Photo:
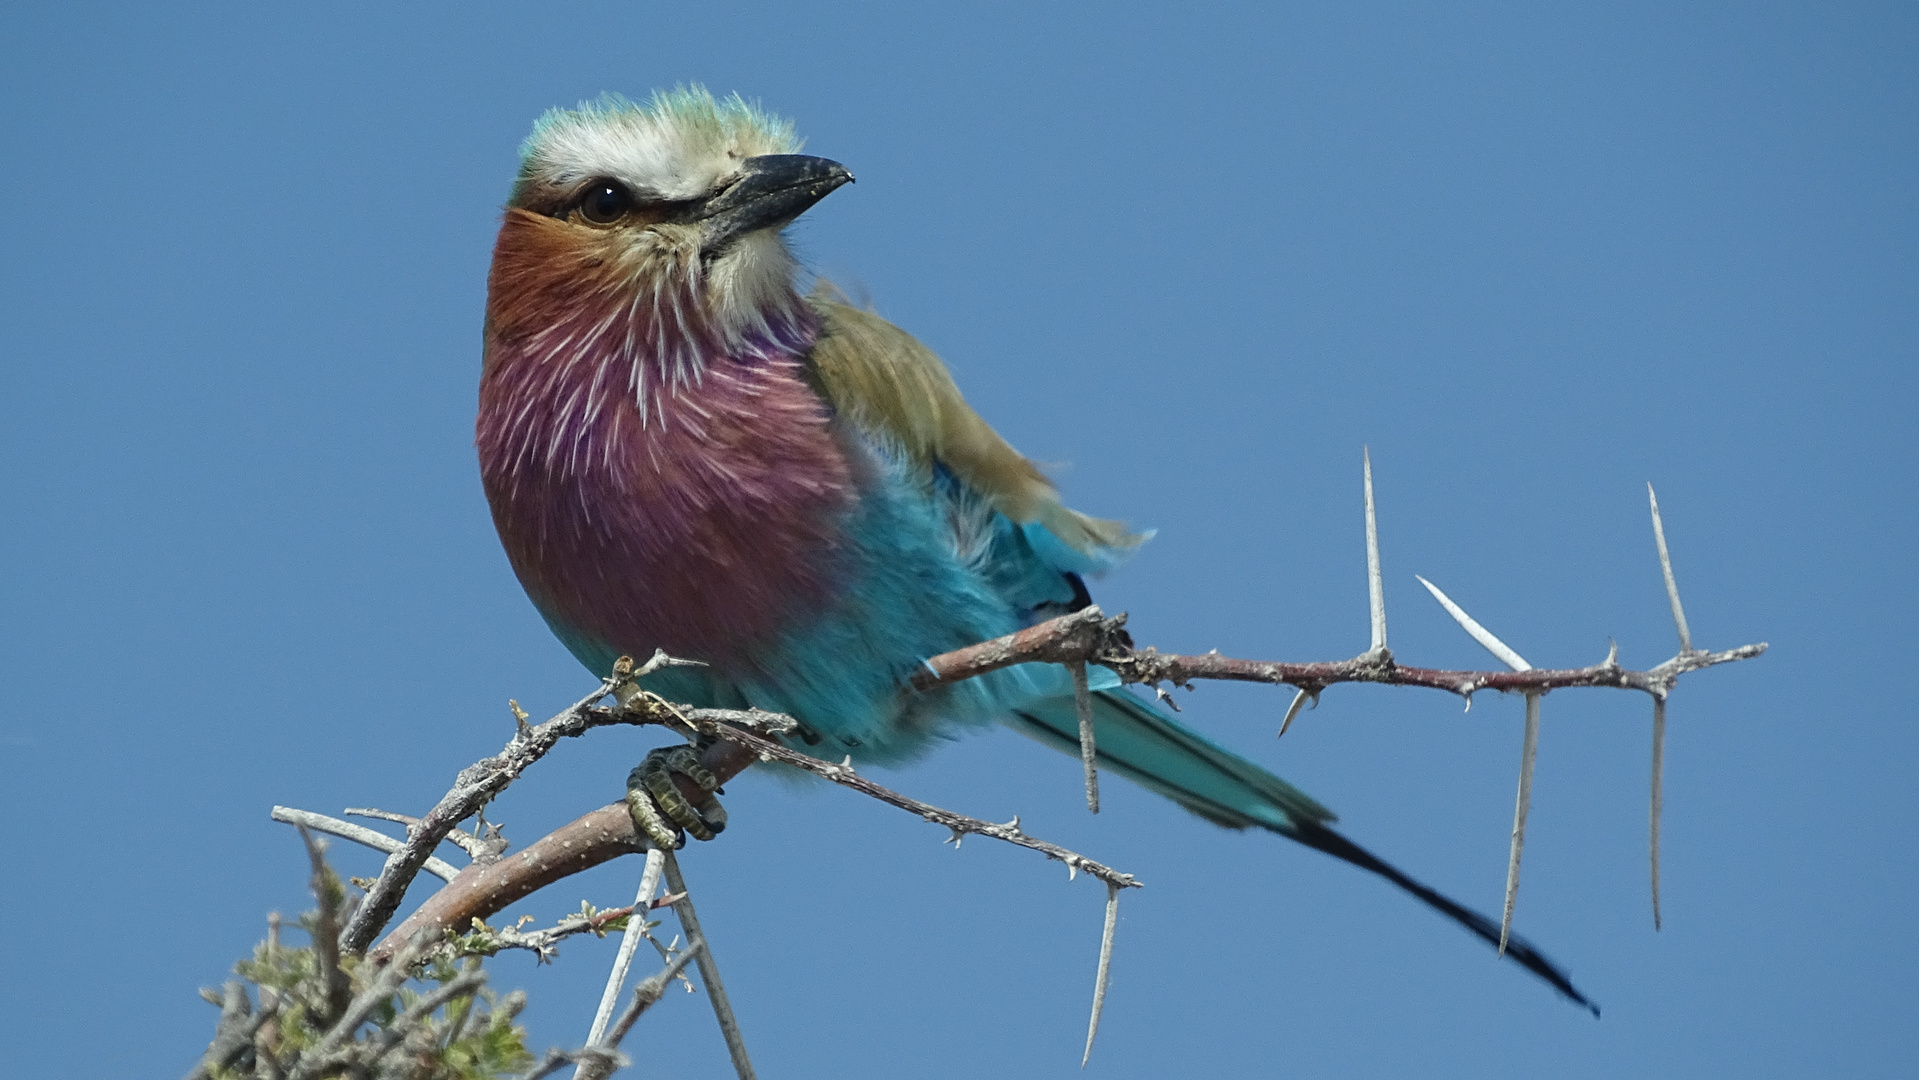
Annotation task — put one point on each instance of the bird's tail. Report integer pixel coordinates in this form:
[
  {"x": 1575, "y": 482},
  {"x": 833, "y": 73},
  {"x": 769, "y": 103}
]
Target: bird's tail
[{"x": 1145, "y": 745}]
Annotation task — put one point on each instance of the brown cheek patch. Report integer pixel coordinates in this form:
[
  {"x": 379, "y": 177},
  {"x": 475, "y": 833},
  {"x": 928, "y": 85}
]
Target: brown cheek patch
[{"x": 541, "y": 266}]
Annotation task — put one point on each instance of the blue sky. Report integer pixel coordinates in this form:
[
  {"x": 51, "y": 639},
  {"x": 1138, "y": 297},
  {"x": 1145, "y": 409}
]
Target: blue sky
[{"x": 1198, "y": 257}]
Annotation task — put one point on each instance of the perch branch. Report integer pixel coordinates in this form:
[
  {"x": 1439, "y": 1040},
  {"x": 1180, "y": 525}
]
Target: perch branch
[
  {"x": 482, "y": 890},
  {"x": 480, "y": 782}
]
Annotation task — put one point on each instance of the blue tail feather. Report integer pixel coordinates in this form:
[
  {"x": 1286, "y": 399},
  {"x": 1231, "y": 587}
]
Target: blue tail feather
[{"x": 1145, "y": 745}]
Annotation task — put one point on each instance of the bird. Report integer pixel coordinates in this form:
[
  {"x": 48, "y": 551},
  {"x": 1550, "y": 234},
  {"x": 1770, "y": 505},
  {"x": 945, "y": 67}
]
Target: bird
[{"x": 685, "y": 450}]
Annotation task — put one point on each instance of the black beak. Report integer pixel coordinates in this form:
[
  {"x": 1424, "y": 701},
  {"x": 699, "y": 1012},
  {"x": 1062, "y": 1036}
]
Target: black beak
[{"x": 772, "y": 190}]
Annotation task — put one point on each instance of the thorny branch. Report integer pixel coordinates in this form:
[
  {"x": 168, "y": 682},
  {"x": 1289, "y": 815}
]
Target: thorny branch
[
  {"x": 481, "y": 891},
  {"x": 478, "y": 783},
  {"x": 1088, "y": 636},
  {"x": 484, "y": 940},
  {"x": 959, "y": 824}
]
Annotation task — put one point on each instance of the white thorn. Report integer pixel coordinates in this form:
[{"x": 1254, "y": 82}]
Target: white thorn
[
  {"x": 1665, "y": 567},
  {"x": 1520, "y": 808},
  {"x": 1292, "y": 711},
  {"x": 1375, "y": 585},
  {"x": 1105, "y": 968},
  {"x": 1479, "y": 633},
  {"x": 1083, "y": 705},
  {"x": 1658, "y": 796}
]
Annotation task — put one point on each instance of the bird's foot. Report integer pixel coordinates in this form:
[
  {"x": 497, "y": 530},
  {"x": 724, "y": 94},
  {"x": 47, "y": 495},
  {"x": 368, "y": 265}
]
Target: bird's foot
[{"x": 661, "y": 812}]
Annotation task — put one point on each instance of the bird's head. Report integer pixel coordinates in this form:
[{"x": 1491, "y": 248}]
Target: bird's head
[{"x": 667, "y": 214}]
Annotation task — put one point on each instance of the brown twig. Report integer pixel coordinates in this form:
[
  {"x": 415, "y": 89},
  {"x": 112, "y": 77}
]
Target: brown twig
[
  {"x": 1090, "y": 635},
  {"x": 481, "y": 891},
  {"x": 959, "y": 824}
]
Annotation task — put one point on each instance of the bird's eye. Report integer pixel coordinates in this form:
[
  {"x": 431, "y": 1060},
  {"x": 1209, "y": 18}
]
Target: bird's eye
[{"x": 605, "y": 202}]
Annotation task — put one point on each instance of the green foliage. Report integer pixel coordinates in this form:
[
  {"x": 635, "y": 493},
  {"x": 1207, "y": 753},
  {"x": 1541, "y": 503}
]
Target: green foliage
[{"x": 306, "y": 1012}]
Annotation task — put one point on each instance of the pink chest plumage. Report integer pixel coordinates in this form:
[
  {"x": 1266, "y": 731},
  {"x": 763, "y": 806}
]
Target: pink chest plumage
[
  {"x": 704, "y": 535},
  {"x": 706, "y": 527}
]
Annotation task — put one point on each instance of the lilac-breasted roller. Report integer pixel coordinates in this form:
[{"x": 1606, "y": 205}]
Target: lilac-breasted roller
[{"x": 683, "y": 452}]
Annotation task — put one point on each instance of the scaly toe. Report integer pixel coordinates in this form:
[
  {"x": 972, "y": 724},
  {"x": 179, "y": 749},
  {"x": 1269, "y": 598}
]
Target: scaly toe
[{"x": 660, "y": 811}]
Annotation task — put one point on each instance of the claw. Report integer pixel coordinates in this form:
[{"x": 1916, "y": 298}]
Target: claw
[{"x": 660, "y": 811}]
